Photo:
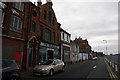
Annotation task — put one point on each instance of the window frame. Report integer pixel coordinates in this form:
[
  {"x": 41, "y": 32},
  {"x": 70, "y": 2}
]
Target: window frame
[
  {"x": 2, "y": 14},
  {"x": 16, "y": 27},
  {"x": 19, "y": 6}
]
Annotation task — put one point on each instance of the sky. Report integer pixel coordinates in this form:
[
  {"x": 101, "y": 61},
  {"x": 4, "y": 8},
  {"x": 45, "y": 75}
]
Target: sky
[{"x": 94, "y": 20}]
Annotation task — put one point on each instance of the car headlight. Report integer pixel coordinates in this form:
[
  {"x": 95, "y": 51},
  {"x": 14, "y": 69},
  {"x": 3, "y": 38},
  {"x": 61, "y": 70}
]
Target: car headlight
[{"x": 44, "y": 69}]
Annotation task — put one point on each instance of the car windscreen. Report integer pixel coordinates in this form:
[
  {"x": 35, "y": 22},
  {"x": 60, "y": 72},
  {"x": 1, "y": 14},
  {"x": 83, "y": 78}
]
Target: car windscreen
[{"x": 47, "y": 62}]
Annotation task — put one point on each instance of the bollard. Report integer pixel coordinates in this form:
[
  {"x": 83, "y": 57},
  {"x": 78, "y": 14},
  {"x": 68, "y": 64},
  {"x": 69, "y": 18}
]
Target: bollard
[
  {"x": 113, "y": 65},
  {"x": 116, "y": 68}
]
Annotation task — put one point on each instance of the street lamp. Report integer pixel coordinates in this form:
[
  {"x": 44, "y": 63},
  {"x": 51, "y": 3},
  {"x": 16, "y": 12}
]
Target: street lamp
[{"x": 106, "y": 46}]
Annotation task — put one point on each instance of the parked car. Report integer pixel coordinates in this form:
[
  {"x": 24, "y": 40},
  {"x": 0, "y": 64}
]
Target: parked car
[
  {"x": 49, "y": 67},
  {"x": 10, "y": 70},
  {"x": 94, "y": 58}
]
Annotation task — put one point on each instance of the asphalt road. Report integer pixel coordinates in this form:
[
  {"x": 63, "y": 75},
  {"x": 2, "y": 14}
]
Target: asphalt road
[{"x": 86, "y": 70}]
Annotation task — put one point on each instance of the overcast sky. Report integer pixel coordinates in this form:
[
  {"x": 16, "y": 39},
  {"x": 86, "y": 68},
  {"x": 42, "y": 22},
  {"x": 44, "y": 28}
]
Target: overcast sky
[{"x": 94, "y": 21}]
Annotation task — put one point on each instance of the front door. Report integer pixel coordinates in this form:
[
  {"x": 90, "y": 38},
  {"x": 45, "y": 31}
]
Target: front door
[
  {"x": 30, "y": 56},
  {"x": 50, "y": 54}
]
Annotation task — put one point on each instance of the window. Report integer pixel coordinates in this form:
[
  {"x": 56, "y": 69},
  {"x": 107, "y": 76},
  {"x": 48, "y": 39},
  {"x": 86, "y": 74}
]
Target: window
[
  {"x": 48, "y": 35},
  {"x": 49, "y": 17},
  {"x": 1, "y": 17},
  {"x": 58, "y": 38},
  {"x": 33, "y": 26},
  {"x": 67, "y": 37},
  {"x": 16, "y": 23},
  {"x": 53, "y": 21},
  {"x": 53, "y": 37},
  {"x": 34, "y": 13},
  {"x": 18, "y": 5},
  {"x": 63, "y": 35},
  {"x": 41, "y": 30},
  {"x": 57, "y": 27},
  {"x": 45, "y": 14}
]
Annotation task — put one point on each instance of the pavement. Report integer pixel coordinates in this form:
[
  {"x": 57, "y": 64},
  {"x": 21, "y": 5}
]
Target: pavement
[{"x": 88, "y": 70}]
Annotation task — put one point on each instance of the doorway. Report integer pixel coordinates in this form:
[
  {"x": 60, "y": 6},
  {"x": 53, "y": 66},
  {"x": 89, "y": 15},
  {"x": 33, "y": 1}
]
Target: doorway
[
  {"x": 49, "y": 54},
  {"x": 30, "y": 56}
]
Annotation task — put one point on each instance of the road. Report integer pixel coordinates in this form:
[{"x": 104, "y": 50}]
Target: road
[{"x": 87, "y": 70}]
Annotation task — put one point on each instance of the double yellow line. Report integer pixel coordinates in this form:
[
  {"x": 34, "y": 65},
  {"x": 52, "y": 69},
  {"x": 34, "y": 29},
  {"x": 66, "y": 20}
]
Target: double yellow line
[{"x": 112, "y": 75}]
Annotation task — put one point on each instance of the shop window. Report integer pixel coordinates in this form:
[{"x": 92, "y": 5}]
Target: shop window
[
  {"x": 18, "y": 5},
  {"x": 34, "y": 13},
  {"x": 48, "y": 35},
  {"x": 1, "y": 17},
  {"x": 49, "y": 17},
  {"x": 41, "y": 30},
  {"x": 45, "y": 14},
  {"x": 53, "y": 37},
  {"x": 33, "y": 26},
  {"x": 15, "y": 24}
]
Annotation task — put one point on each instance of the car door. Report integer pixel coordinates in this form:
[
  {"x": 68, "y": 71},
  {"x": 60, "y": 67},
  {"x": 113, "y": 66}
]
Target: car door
[
  {"x": 55, "y": 65},
  {"x": 60, "y": 64}
]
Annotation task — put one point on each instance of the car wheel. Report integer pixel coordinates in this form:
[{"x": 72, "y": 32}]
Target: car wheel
[
  {"x": 14, "y": 78},
  {"x": 63, "y": 69},
  {"x": 51, "y": 72}
]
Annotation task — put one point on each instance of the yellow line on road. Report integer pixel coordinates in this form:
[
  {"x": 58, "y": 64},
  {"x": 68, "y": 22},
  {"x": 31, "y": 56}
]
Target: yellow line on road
[{"x": 112, "y": 76}]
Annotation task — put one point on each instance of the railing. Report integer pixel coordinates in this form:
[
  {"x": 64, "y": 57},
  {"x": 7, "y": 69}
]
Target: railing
[{"x": 114, "y": 63}]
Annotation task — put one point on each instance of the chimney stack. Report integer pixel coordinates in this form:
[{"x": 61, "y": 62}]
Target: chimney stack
[
  {"x": 49, "y": 2},
  {"x": 39, "y": 3}
]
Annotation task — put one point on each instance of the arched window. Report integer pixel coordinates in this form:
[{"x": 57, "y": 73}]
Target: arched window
[
  {"x": 45, "y": 14},
  {"x": 34, "y": 13},
  {"x": 49, "y": 17}
]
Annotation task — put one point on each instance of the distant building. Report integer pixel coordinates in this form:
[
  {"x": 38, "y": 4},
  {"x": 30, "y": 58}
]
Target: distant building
[
  {"x": 74, "y": 51},
  {"x": 84, "y": 47},
  {"x": 65, "y": 45}
]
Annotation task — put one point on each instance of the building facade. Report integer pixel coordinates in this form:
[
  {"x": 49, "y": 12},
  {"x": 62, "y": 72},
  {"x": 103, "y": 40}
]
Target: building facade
[
  {"x": 74, "y": 52},
  {"x": 49, "y": 35},
  {"x": 84, "y": 48},
  {"x": 65, "y": 45},
  {"x": 30, "y": 33},
  {"x": 13, "y": 24}
]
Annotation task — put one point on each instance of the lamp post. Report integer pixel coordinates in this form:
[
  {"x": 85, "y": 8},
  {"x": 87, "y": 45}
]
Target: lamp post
[{"x": 106, "y": 46}]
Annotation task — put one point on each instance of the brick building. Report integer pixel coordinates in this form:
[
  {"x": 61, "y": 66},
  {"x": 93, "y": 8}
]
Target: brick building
[
  {"x": 65, "y": 45},
  {"x": 84, "y": 46},
  {"x": 30, "y": 33},
  {"x": 74, "y": 51},
  {"x": 49, "y": 37},
  {"x": 13, "y": 24}
]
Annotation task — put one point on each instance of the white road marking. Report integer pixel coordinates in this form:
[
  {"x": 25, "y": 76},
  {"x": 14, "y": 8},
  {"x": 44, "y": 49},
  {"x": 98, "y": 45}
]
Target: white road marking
[{"x": 94, "y": 67}]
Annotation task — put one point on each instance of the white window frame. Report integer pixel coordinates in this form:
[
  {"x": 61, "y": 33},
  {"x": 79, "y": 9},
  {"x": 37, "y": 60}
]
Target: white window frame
[
  {"x": 12, "y": 27},
  {"x": 2, "y": 13}
]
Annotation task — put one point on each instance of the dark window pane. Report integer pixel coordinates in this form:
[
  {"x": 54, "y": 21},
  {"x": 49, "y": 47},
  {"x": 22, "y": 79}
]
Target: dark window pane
[
  {"x": 49, "y": 17},
  {"x": 45, "y": 14},
  {"x": 34, "y": 13},
  {"x": 33, "y": 26}
]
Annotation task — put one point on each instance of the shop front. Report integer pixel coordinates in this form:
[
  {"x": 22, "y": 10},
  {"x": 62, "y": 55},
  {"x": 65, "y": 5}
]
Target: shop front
[{"x": 47, "y": 51}]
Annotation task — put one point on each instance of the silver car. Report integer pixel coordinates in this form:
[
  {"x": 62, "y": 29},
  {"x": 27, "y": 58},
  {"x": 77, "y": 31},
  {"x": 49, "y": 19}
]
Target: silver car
[{"x": 49, "y": 67}]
